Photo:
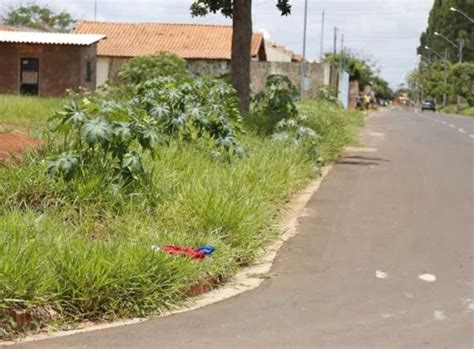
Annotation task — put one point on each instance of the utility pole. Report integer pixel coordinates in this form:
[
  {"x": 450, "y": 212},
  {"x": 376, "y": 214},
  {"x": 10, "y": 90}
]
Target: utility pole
[
  {"x": 95, "y": 10},
  {"x": 342, "y": 48},
  {"x": 461, "y": 46},
  {"x": 445, "y": 98},
  {"x": 303, "y": 64},
  {"x": 333, "y": 65},
  {"x": 322, "y": 39}
]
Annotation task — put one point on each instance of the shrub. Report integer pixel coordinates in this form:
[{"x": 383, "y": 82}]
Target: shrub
[
  {"x": 113, "y": 135},
  {"x": 142, "y": 68},
  {"x": 273, "y": 104}
]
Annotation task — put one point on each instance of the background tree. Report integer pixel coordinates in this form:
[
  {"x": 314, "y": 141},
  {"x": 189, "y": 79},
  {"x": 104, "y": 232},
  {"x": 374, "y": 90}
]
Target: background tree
[
  {"x": 241, "y": 13},
  {"x": 430, "y": 80},
  {"x": 363, "y": 71},
  {"x": 381, "y": 88},
  {"x": 452, "y": 25},
  {"x": 461, "y": 78},
  {"x": 37, "y": 17}
]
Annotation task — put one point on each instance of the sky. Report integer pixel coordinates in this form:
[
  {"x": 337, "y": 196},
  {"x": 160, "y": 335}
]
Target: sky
[{"x": 385, "y": 31}]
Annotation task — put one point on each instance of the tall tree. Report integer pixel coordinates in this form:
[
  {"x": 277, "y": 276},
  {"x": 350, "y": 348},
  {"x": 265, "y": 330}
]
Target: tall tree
[
  {"x": 241, "y": 13},
  {"x": 451, "y": 24},
  {"x": 37, "y": 17}
]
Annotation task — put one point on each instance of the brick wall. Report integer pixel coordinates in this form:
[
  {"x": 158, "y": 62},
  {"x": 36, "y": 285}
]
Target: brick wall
[{"x": 61, "y": 67}]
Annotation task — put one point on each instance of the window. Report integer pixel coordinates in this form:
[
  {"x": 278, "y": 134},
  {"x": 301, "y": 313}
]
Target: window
[{"x": 88, "y": 70}]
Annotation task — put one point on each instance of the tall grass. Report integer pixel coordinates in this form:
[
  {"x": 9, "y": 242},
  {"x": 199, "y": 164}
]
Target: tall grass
[
  {"x": 28, "y": 111},
  {"x": 81, "y": 250},
  {"x": 464, "y": 110}
]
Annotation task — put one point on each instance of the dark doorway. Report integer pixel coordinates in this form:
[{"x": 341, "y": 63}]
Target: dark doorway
[{"x": 29, "y": 78}]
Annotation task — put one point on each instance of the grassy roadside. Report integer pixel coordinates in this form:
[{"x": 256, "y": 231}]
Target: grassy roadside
[
  {"x": 27, "y": 111},
  {"x": 84, "y": 251},
  {"x": 464, "y": 110}
]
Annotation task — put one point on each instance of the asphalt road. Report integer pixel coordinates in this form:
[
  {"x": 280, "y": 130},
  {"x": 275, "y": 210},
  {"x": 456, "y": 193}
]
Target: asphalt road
[{"x": 384, "y": 257}]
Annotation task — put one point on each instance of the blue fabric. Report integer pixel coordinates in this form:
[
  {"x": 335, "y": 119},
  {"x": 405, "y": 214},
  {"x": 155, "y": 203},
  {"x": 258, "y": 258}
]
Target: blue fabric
[{"x": 207, "y": 250}]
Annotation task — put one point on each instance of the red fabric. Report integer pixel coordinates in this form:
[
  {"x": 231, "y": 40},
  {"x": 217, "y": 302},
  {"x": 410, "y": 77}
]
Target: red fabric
[{"x": 186, "y": 251}]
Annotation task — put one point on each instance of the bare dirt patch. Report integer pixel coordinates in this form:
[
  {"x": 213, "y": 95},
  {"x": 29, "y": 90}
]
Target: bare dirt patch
[{"x": 12, "y": 144}]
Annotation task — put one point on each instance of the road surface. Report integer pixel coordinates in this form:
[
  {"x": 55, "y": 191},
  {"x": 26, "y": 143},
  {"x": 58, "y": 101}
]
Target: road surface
[{"x": 383, "y": 259}]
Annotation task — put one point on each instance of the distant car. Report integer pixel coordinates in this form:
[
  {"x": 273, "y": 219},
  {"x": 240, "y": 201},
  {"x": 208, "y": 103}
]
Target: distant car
[{"x": 428, "y": 104}]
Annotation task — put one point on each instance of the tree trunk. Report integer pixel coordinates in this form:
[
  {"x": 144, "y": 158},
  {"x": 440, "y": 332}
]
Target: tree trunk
[{"x": 241, "y": 45}]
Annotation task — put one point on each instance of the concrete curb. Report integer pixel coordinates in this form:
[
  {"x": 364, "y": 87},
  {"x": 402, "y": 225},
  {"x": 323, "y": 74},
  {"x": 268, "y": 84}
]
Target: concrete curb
[{"x": 245, "y": 280}]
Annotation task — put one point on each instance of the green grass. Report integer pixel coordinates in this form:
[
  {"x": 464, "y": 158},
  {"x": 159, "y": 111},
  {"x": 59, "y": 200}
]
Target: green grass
[
  {"x": 28, "y": 111},
  {"x": 465, "y": 110},
  {"x": 81, "y": 250}
]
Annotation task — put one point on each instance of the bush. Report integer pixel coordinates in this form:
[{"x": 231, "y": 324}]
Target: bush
[
  {"x": 275, "y": 103},
  {"x": 142, "y": 68},
  {"x": 112, "y": 136}
]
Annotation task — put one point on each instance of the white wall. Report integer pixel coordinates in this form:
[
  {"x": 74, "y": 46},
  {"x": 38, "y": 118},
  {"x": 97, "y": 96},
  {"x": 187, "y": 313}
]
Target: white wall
[{"x": 103, "y": 66}]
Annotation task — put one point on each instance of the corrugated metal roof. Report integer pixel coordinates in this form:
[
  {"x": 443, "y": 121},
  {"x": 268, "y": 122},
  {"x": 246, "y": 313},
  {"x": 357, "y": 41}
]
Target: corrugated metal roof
[
  {"x": 190, "y": 41},
  {"x": 49, "y": 38}
]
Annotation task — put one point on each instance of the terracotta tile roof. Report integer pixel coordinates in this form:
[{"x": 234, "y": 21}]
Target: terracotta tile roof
[
  {"x": 189, "y": 41},
  {"x": 4, "y": 27}
]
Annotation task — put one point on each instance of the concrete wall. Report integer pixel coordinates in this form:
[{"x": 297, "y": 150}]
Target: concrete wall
[
  {"x": 200, "y": 67},
  {"x": 316, "y": 74},
  {"x": 103, "y": 65},
  {"x": 61, "y": 67},
  {"x": 353, "y": 93},
  {"x": 108, "y": 67}
]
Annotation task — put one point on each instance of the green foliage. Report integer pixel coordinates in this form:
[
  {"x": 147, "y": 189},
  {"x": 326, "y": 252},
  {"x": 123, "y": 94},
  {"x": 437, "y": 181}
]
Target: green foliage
[
  {"x": 64, "y": 165},
  {"x": 296, "y": 133},
  {"x": 328, "y": 93},
  {"x": 334, "y": 127},
  {"x": 451, "y": 24},
  {"x": 275, "y": 103},
  {"x": 37, "y": 17},
  {"x": 359, "y": 68},
  {"x": 114, "y": 135},
  {"x": 27, "y": 110},
  {"x": 142, "y": 68},
  {"x": 429, "y": 79},
  {"x": 225, "y": 7},
  {"x": 461, "y": 78},
  {"x": 80, "y": 249},
  {"x": 363, "y": 71},
  {"x": 381, "y": 88},
  {"x": 463, "y": 109}
]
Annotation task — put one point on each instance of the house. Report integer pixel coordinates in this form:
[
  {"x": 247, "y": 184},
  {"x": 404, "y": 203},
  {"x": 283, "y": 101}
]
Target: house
[
  {"x": 46, "y": 64},
  {"x": 207, "y": 48},
  {"x": 279, "y": 53}
]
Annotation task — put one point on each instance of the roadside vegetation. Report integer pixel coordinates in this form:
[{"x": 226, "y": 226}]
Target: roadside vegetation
[
  {"x": 464, "y": 110},
  {"x": 27, "y": 111},
  {"x": 163, "y": 163},
  {"x": 444, "y": 69}
]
